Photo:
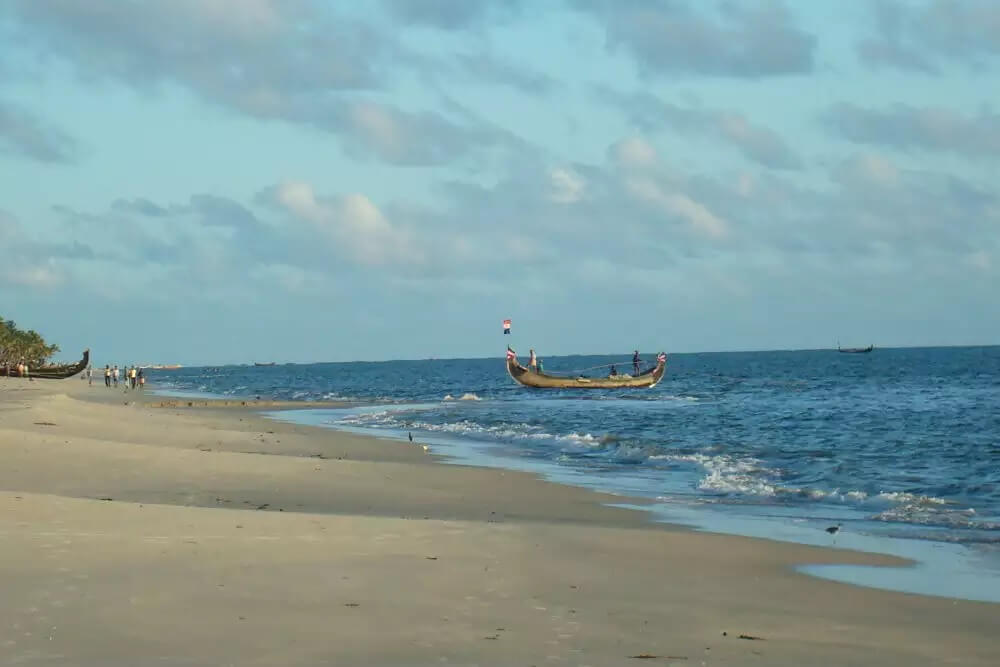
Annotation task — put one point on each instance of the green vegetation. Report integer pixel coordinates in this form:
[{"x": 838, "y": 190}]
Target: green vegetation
[{"x": 17, "y": 345}]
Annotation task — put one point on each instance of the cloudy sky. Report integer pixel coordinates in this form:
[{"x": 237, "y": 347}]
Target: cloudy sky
[{"x": 234, "y": 180}]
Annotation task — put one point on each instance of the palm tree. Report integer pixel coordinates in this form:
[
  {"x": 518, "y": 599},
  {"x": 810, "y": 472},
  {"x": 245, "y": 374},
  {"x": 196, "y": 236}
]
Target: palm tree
[{"x": 17, "y": 345}]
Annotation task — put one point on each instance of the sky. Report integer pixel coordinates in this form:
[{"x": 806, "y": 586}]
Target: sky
[{"x": 227, "y": 181}]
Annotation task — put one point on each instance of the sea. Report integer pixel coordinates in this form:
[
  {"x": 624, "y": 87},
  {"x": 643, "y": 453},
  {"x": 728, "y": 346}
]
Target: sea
[{"x": 899, "y": 448}]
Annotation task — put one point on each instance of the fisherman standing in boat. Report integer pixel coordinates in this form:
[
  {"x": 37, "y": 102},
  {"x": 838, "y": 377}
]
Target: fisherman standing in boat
[
  {"x": 635, "y": 362},
  {"x": 532, "y": 360}
]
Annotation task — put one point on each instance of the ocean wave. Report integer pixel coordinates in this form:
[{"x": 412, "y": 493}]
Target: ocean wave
[
  {"x": 726, "y": 474},
  {"x": 924, "y": 515},
  {"x": 468, "y": 396},
  {"x": 914, "y": 499}
]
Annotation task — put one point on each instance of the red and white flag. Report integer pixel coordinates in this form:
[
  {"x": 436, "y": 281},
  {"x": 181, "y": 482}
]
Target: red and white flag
[
  {"x": 662, "y": 357},
  {"x": 511, "y": 354}
]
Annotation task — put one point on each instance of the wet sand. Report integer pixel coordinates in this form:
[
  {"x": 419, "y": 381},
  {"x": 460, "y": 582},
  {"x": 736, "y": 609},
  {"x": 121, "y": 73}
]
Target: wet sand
[{"x": 146, "y": 531}]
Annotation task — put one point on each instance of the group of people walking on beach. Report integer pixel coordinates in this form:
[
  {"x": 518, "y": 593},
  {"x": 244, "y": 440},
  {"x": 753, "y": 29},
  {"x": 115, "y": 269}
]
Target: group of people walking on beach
[{"x": 131, "y": 376}]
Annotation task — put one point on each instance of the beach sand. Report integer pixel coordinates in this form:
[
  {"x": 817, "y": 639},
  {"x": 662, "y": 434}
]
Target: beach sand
[{"x": 138, "y": 531}]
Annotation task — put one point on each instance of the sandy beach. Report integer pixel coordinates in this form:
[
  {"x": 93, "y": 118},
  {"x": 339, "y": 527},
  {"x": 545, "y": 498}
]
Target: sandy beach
[{"x": 139, "y": 530}]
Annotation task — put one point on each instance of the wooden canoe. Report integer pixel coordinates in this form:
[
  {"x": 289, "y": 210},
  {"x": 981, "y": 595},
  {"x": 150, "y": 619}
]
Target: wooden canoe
[
  {"x": 56, "y": 372},
  {"x": 529, "y": 378}
]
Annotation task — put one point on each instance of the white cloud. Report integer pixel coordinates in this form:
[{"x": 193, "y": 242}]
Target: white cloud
[
  {"x": 980, "y": 260},
  {"x": 352, "y": 222},
  {"x": 696, "y": 214},
  {"x": 567, "y": 187},
  {"x": 679, "y": 205},
  {"x": 300, "y": 200},
  {"x": 869, "y": 172},
  {"x": 34, "y": 276},
  {"x": 250, "y": 17},
  {"x": 633, "y": 152},
  {"x": 877, "y": 170}
]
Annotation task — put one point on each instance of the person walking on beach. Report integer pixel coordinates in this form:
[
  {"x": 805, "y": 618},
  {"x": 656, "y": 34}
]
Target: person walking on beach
[
  {"x": 132, "y": 376},
  {"x": 88, "y": 374},
  {"x": 114, "y": 376},
  {"x": 107, "y": 376},
  {"x": 142, "y": 380}
]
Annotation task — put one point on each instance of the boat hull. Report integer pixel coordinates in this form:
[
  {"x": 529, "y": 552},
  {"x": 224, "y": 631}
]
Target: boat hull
[
  {"x": 855, "y": 350},
  {"x": 57, "y": 372},
  {"x": 537, "y": 380}
]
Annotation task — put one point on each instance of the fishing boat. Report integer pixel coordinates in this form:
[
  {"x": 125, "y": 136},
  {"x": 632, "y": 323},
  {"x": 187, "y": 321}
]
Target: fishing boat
[
  {"x": 263, "y": 363},
  {"x": 535, "y": 378},
  {"x": 51, "y": 372},
  {"x": 855, "y": 350}
]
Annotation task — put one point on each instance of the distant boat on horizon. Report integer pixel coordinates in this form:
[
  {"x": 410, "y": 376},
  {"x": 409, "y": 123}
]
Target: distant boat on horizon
[
  {"x": 263, "y": 363},
  {"x": 855, "y": 350}
]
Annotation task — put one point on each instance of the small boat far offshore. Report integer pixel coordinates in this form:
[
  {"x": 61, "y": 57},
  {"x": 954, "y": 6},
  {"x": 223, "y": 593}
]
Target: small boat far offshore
[
  {"x": 539, "y": 380},
  {"x": 263, "y": 363},
  {"x": 855, "y": 350}
]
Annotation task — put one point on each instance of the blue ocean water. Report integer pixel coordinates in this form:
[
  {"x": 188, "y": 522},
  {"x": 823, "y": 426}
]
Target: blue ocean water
[{"x": 897, "y": 444}]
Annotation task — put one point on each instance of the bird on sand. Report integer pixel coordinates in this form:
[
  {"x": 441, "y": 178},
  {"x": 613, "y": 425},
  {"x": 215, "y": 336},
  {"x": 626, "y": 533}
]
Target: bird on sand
[{"x": 411, "y": 435}]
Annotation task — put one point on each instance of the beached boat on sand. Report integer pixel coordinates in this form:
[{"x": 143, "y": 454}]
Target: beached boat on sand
[
  {"x": 534, "y": 378},
  {"x": 54, "y": 372}
]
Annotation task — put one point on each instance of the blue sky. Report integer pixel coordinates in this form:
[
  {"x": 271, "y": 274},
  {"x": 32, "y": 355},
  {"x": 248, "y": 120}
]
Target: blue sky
[{"x": 215, "y": 181}]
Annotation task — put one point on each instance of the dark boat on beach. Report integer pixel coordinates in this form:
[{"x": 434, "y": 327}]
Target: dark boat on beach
[
  {"x": 855, "y": 350},
  {"x": 53, "y": 372},
  {"x": 539, "y": 380}
]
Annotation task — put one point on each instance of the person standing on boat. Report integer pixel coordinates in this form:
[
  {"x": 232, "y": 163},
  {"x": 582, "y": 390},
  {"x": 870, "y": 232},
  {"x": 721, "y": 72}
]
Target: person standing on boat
[
  {"x": 532, "y": 360},
  {"x": 635, "y": 362},
  {"x": 614, "y": 371}
]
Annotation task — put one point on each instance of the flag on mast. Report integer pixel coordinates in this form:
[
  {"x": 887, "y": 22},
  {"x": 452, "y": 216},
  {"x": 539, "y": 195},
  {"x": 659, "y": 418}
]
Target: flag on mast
[{"x": 506, "y": 326}]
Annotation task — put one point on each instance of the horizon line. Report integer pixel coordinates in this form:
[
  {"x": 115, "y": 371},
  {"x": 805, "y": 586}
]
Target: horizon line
[{"x": 573, "y": 354}]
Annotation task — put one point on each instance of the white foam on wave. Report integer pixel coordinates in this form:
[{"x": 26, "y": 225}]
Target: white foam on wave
[
  {"x": 730, "y": 475},
  {"x": 585, "y": 438},
  {"x": 398, "y": 419},
  {"x": 931, "y": 515},
  {"x": 905, "y": 498},
  {"x": 467, "y": 396}
]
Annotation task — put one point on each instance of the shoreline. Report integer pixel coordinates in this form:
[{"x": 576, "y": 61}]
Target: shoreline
[
  {"x": 940, "y": 569},
  {"x": 601, "y": 583}
]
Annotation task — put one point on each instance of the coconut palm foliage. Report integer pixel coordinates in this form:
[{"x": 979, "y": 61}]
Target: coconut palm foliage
[{"x": 17, "y": 345}]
